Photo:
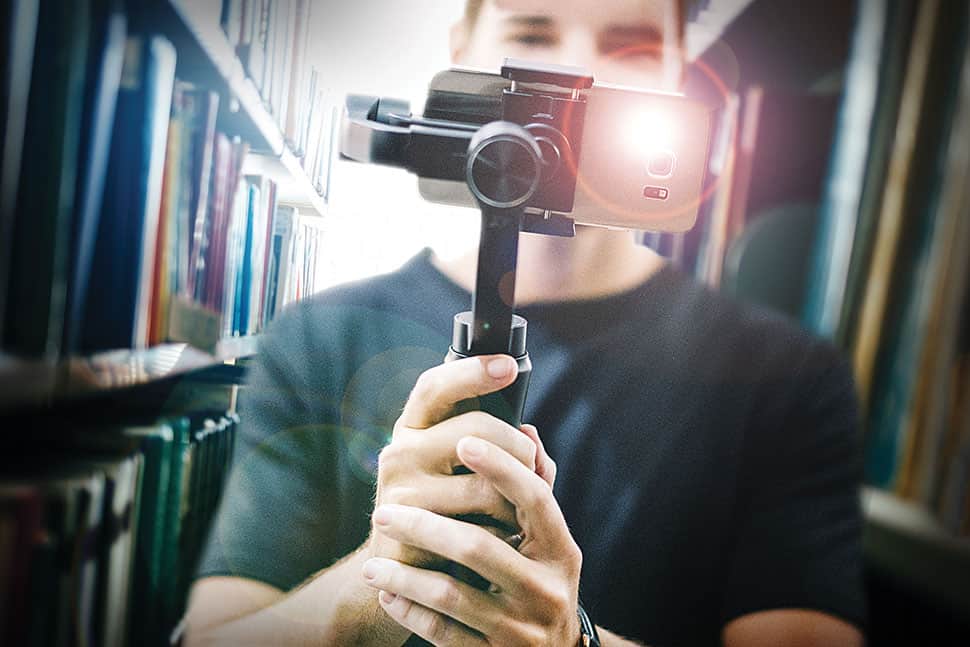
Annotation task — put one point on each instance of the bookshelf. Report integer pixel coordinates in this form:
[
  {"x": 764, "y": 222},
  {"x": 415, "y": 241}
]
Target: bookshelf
[
  {"x": 190, "y": 153},
  {"x": 33, "y": 383},
  {"x": 207, "y": 56},
  {"x": 890, "y": 236},
  {"x": 292, "y": 182},
  {"x": 903, "y": 539}
]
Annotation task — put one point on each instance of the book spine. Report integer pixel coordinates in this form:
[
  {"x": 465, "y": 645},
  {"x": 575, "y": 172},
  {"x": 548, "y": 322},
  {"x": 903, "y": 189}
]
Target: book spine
[
  {"x": 202, "y": 185},
  {"x": 40, "y": 247},
  {"x": 160, "y": 82},
  {"x": 875, "y": 301},
  {"x": 21, "y": 23},
  {"x": 840, "y": 208}
]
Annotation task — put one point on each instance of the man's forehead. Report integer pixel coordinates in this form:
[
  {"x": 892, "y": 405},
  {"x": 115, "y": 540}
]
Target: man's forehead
[{"x": 592, "y": 12}]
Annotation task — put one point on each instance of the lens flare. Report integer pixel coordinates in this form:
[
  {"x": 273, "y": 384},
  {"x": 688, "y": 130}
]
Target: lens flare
[{"x": 653, "y": 131}]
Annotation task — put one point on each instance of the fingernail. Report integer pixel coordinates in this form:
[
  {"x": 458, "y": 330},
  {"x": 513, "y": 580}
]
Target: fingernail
[
  {"x": 500, "y": 367},
  {"x": 473, "y": 447},
  {"x": 382, "y": 516},
  {"x": 371, "y": 569},
  {"x": 387, "y": 598}
]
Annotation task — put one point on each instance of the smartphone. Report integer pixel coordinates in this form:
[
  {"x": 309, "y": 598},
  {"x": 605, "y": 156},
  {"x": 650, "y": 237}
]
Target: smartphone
[{"x": 640, "y": 164}]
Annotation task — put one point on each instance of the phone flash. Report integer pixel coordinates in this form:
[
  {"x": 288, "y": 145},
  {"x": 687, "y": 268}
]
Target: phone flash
[{"x": 652, "y": 131}]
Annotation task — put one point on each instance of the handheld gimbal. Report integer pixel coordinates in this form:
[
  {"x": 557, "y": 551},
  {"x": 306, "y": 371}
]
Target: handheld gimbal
[{"x": 518, "y": 157}]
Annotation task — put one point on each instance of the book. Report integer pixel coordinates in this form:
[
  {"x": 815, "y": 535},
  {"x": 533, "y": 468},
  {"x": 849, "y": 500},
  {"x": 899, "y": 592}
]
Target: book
[
  {"x": 119, "y": 520},
  {"x": 21, "y": 523},
  {"x": 298, "y": 75},
  {"x": 157, "y": 443},
  {"x": 102, "y": 525},
  {"x": 108, "y": 35},
  {"x": 952, "y": 500},
  {"x": 920, "y": 238},
  {"x": 875, "y": 299},
  {"x": 202, "y": 167},
  {"x": 19, "y": 20},
  {"x": 942, "y": 365},
  {"x": 281, "y": 255},
  {"x": 175, "y": 505},
  {"x": 251, "y": 49},
  {"x": 891, "y": 71},
  {"x": 40, "y": 237},
  {"x": 118, "y": 314},
  {"x": 203, "y": 141},
  {"x": 839, "y": 213}
]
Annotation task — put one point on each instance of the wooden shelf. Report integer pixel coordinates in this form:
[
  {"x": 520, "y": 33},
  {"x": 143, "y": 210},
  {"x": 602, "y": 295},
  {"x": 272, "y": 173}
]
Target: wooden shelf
[
  {"x": 233, "y": 348},
  {"x": 294, "y": 187},
  {"x": 26, "y": 383},
  {"x": 904, "y": 540}
]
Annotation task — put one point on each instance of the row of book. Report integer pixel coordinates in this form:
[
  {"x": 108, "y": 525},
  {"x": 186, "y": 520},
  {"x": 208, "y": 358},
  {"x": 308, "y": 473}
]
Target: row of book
[
  {"x": 100, "y": 533},
  {"x": 271, "y": 259},
  {"x": 856, "y": 224},
  {"x": 127, "y": 217},
  {"x": 891, "y": 273},
  {"x": 272, "y": 40}
]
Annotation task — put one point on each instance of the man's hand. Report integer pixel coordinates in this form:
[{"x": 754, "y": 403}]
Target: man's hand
[
  {"x": 533, "y": 597},
  {"x": 417, "y": 468}
]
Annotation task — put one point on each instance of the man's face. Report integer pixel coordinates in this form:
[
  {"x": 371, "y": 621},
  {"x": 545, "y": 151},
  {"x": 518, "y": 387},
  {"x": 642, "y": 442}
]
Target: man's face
[{"x": 626, "y": 42}]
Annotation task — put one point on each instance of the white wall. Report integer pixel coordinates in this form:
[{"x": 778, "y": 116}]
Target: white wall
[{"x": 377, "y": 220}]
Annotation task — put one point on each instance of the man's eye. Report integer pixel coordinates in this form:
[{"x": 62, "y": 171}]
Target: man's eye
[{"x": 532, "y": 40}]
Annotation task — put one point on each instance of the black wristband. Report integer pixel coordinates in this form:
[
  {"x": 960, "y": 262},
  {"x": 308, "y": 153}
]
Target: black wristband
[{"x": 587, "y": 630}]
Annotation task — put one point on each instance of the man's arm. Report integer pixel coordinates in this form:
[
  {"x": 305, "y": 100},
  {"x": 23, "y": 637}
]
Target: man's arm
[
  {"x": 790, "y": 627},
  {"x": 335, "y": 607}
]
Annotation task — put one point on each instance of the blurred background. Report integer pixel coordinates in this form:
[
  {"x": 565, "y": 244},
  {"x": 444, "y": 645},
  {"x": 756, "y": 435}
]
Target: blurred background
[{"x": 169, "y": 183}]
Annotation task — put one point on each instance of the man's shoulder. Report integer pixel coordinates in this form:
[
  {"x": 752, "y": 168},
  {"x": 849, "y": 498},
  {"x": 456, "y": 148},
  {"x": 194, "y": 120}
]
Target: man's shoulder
[
  {"x": 354, "y": 321},
  {"x": 725, "y": 329}
]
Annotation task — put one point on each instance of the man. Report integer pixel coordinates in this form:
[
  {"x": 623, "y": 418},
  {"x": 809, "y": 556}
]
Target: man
[{"x": 706, "y": 458}]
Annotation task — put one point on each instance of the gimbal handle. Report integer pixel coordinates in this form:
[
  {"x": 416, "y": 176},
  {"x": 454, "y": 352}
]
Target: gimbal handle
[{"x": 503, "y": 169}]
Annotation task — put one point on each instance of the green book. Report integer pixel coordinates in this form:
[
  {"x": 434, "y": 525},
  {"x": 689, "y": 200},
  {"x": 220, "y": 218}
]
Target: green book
[
  {"x": 175, "y": 508},
  {"x": 40, "y": 247},
  {"x": 157, "y": 443}
]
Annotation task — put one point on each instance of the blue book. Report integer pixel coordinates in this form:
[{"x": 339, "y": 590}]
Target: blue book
[
  {"x": 117, "y": 311},
  {"x": 843, "y": 193},
  {"x": 244, "y": 279},
  {"x": 108, "y": 35}
]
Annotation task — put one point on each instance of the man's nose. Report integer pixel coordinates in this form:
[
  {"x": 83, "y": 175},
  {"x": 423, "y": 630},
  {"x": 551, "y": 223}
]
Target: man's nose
[{"x": 577, "y": 47}]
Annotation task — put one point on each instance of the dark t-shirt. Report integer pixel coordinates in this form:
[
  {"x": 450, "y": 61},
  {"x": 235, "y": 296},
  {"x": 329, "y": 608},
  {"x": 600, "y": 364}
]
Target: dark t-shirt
[{"x": 707, "y": 452}]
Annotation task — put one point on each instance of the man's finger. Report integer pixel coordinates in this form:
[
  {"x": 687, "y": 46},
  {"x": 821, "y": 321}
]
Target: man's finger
[
  {"x": 433, "y": 449},
  {"x": 440, "y": 388},
  {"x": 436, "y": 591},
  {"x": 536, "y": 509},
  {"x": 454, "y": 495},
  {"x": 436, "y": 628},
  {"x": 545, "y": 466},
  {"x": 457, "y": 541}
]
